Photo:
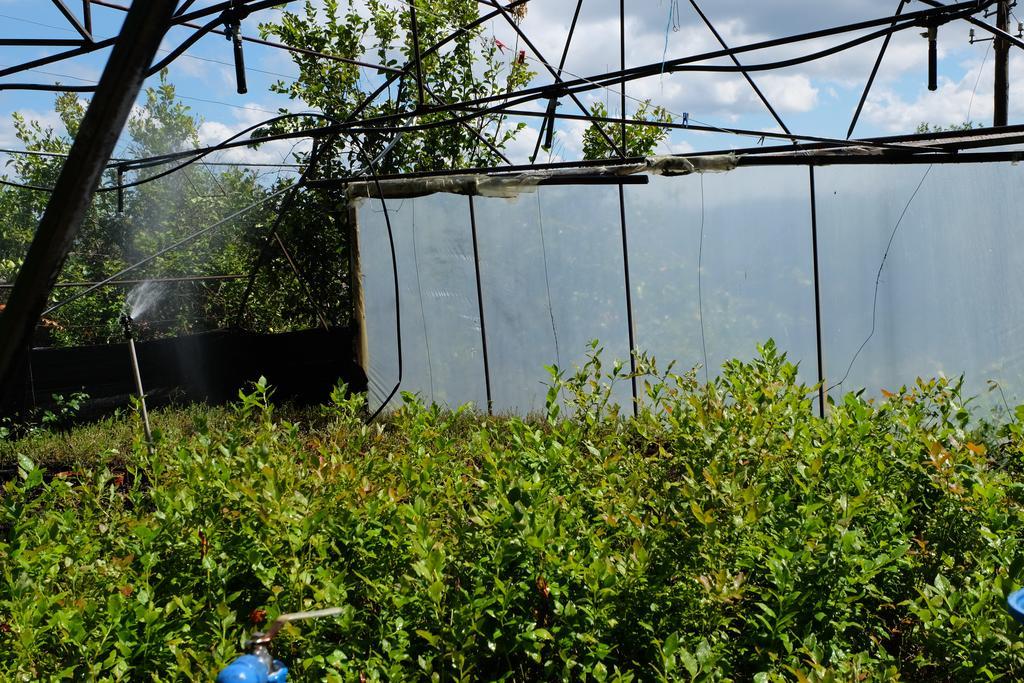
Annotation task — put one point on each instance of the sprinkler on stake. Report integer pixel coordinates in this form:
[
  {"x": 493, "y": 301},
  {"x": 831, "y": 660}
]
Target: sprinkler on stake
[
  {"x": 128, "y": 325},
  {"x": 258, "y": 664}
]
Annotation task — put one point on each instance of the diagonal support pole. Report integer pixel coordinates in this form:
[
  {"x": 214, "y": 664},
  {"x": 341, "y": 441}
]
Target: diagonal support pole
[
  {"x": 122, "y": 79},
  {"x": 73, "y": 20},
  {"x": 557, "y": 75},
  {"x": 549, "y": 123},
  {"x": 746, "y": 75},
  {"x": 874, "y": 72}
]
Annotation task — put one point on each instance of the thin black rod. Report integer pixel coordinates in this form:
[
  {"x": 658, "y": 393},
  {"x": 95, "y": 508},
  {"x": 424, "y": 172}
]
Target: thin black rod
[
  {"x": 371, "y": 163},
  {"x": 480, "y": 304},
  {"x": 622, "y": 110},
  {"x": 933, "y": 57},
  {"x": 817, "y": 295},
  {"x": 42, "y": 42},
  {"x": 629, "y": 298},
  {"x": 746, "y": 74},
  {"x": 60, "y": 56},
  {"x": 181, "y": 10},
  {"x": 874, "y": 71},
  {"x": 561, "y": 65},
  {"x": 302, "y": 281},
  {"x": 556, "y": 74},
  {"x": 87, "y": 15},
  {"x": 416, "y": 58}
]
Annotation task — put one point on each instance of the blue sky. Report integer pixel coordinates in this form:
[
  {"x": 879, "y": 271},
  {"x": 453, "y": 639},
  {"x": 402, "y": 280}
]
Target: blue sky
[{"x": 816, "y": 99}]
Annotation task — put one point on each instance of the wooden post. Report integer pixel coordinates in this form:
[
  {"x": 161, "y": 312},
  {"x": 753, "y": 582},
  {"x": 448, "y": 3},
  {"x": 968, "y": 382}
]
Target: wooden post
[
  {"x": 1002, "y": 68},
  {"x": 357, "y": 322},
  {"x": 122, "y": 78}
]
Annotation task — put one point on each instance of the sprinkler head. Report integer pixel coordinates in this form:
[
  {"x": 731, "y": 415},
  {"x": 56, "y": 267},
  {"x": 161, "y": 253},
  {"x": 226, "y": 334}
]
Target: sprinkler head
[{"x": 127, "y": 324}]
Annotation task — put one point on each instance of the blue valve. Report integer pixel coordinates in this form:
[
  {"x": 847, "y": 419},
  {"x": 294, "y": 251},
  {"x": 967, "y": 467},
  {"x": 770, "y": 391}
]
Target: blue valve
[
  {"x": 253, "y": 669},
  {"x": 1015, "y": 602}
]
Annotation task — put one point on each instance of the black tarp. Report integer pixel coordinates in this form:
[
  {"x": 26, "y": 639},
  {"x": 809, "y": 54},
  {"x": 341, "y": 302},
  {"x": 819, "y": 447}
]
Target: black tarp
[{"x": 302, "y": 366}]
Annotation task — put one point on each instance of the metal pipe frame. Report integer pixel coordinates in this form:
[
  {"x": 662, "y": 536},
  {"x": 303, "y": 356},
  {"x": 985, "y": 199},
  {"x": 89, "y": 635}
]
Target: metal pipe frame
[{"x": 559, "y": 88}]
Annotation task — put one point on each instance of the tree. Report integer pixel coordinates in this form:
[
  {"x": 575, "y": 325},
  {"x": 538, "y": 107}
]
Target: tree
[
  {"x": 469, "y": 67},
  {"x": 316, "y": 227},
  {"x": 641, "y": 141}
]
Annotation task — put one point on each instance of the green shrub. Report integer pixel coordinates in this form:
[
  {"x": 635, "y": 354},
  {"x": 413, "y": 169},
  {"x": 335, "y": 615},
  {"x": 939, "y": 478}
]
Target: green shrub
[{"x": 724, "y": 533}]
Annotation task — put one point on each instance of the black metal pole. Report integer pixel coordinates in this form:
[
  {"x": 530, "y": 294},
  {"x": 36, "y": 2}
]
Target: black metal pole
[
  {"x": 622, "y": 103},
  {"x": 480, "y": 304},
  {"x": 547, "y": 128},
  {"x": 874, "y": 71},
  {"x": 933, "y": 57},
  {"x": 87, "y": 15},
  {"x": 136, "y": 45},
  {"x": 417, "y": 59},
  {"x": 73, "y": 20},
  {"x": 235, "y": 36},
  {"x": 629, "y": 298},
  {"x": 746, "y": 75},
  {"x": 817, "y": 295},
  {"x": 558, "y": 78},
  {"x": 302, "y": 282}
]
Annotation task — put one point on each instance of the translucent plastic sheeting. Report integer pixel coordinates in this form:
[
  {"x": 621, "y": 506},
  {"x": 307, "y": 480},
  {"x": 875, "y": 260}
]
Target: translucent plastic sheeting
[
  {"x": 748, "y": 235},
  {"x": 441, "y": 343},
  {"x": 551, "y": 280},
  {"x": 951, "y": 290},
  {"x": 718, "y": 263}
]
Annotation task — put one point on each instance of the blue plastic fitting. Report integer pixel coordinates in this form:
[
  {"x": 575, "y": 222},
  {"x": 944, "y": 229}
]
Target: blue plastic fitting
[{"x": 251, "y": 669}]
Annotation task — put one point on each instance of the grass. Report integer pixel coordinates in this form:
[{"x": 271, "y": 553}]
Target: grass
[{"x": 725, "y": 533}]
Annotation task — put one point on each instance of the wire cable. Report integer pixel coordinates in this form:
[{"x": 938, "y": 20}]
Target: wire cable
[
  {"x": 423, "y": 311},
  {"x": 372, "y": 165},
  {"x": 878, "y": 278},
  {"x": 547, "y": 280},
  {"x": 981, "y": 69}
]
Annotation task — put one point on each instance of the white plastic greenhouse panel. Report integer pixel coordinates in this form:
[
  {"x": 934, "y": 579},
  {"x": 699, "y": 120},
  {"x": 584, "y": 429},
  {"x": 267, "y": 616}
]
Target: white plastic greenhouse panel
[{"x": 718, "y": 263}]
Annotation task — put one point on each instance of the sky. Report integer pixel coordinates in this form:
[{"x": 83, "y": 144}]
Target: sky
[{"x": 817, "y": 98}]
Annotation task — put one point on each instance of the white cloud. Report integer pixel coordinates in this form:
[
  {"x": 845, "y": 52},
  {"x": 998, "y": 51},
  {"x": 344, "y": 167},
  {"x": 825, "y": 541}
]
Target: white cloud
[
  {"x": 968, "y": 98},
  {"x": 280, "y": 151},
  {"x": 789, "y": 93}
]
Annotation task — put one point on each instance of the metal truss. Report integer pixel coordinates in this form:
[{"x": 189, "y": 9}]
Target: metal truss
[{"x": 224, "y": 18}]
